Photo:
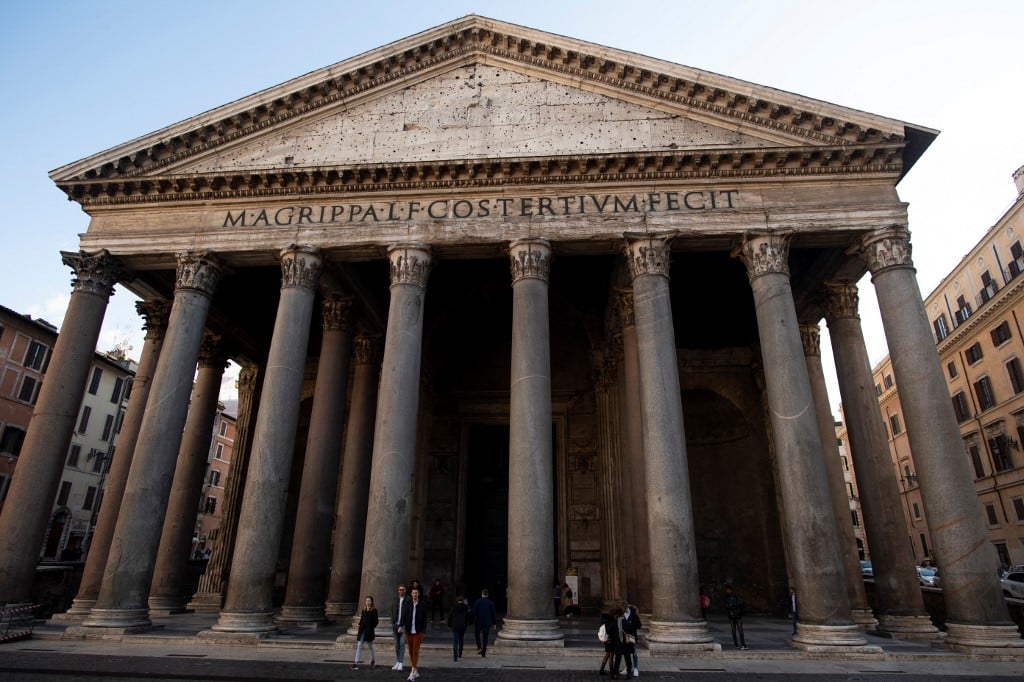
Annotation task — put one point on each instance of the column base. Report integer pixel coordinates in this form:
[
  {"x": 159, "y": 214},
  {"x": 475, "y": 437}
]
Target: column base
[
  {"x": 832, "y": 639},
  {"x": 337, "y": 610},
  {"x": 249, "y": 623},
  {"x": 206, "y": 602},
  {"x": 533, "y": 632},
  {"x": 864, "y": 618},
  {"x": 166, "y": 606},
  {"x": 129, "y": 620},
  {"x": 80, "y": 608},
  {"x": 301, "y": 616},
  {"x": 907, "y": 627},
  {"x": 983, "y": 640},
  {"x": 666, "y": 637}
]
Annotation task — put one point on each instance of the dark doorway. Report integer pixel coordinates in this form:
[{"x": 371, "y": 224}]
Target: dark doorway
[{"x": 486, "y": 540}]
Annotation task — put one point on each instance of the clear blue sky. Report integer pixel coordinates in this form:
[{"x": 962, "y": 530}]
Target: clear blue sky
[{"x": 80, "y": 77}]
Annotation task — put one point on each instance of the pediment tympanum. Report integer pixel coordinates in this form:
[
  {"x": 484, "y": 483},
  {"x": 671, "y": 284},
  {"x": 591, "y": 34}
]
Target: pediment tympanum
[
  {"x": 471, "y": 112},
  {"x": 480, "y": 98}
]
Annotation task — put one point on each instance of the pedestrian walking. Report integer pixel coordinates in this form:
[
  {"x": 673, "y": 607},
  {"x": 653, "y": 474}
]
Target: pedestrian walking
[
  {"x": 485, "y": 617},
  {"x": 436, "y": 600},
  {"x": 793, "y": 607},
  {"x": 458, "y": 621},
  {"x": 365, "y": 633},
  {"x": 734, "y": 610},
  {"x": 398, "y": 616},
  {"x": 604, "y": 636},
  {"x": 415, "y": 627},
  {"x": 631, "y": 615}
]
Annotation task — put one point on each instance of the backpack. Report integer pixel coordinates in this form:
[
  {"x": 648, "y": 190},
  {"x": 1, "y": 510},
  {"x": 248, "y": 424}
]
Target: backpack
[{"x": 602, "y": 633}]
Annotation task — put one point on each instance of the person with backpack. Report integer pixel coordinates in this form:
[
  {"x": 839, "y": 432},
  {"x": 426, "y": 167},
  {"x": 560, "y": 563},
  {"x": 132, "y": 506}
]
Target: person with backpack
[
  {"x": 458, "y": 621},
  {"x": 734, "y": 610}
]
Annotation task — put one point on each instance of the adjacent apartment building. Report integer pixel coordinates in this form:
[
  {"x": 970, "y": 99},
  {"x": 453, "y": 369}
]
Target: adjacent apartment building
[
  {"x": 211, "y": 503},
  {"x": 25, "y": 347},
  {"x": 977, "y": 313}
]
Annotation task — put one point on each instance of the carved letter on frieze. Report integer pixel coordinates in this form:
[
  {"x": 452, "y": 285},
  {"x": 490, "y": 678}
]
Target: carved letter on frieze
[
  {"x": 886, "y": 249},
  {"x": 764, "y": 253},
  {"x": 648, "y": 256},
  {"x": 300, "y": 267},
  {"x": 156, "y": 312},
  {"x": 810, "y": 336},
  {"x": 530, "y": 258},
  {"x": 95, "y": 273},
  {"x": 410, "y": 264},
  {"x": 199, "y": 271},
  {"x": 841, "y": 301},
  {"x": 337, "y": 312}
]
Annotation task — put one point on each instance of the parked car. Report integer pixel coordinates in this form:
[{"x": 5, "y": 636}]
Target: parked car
[
  {"x": 1013, "y": 584},
  {"x": 865, "y": 570},
  {"x": 927, "y": 577}
]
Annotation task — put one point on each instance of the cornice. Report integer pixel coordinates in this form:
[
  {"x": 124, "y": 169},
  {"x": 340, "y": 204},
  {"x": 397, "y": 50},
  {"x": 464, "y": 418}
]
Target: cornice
[
  {"x": 730, "y": 101},
  {"x": 1006, "y": 296},
  {"x": 471, "y": 173}
]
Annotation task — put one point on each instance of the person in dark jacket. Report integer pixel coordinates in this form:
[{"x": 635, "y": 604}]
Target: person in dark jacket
[
  {"x": 632, "y": 616},
  {"x": 415, "y": 626},
  {"x": 622, "y": 643},
  {"x": 458, "y": 621},
  {"x": 734, "y": 610},
  {"x": 365, "y": 634},
  {"x": 398, "y": 615},
  {"x": 484, "y": 617},
  {"x": 606, "y": 622}
]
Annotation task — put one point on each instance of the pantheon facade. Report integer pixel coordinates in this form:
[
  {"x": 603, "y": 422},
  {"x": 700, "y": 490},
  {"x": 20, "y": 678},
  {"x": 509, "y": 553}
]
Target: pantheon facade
[{"x": 509, "y": 306}]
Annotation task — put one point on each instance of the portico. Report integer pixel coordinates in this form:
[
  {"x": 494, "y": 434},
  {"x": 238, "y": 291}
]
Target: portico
[{"x": 587, "y": 272}]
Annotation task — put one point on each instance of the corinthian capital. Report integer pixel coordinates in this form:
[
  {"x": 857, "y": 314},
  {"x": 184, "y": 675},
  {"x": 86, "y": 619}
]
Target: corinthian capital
[
  {"x": 337, "y": 312},
  {"x": 199, "y": 271},
  {"x": 841, "y": 301},
  {"x": 95, "y": 273},
  {"x": 886, "y": 249},
  {"x": 367, "y": 349},
  {"x": 300, "y": 267},
  {"x": 410, "y": 264},
  {"x": 211, "y": 351},
  {"x": 810, "y": 336},
  {"x": 530, "y": 258},
  {"x": 648, "y": 256},
  {"x": 623, "y": 302},
  {"x": 156, "y": 312},
  {"x": 764, "y": 253}
]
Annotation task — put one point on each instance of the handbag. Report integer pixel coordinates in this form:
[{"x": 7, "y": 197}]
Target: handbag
[{"x": 602, "y": 633}]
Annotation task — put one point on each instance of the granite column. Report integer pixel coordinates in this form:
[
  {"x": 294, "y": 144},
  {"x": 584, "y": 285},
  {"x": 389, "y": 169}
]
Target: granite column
[
  {"x": 530, "y": 466},
  {"x": 675, "y": 625},
  {"x": 815, "y": 559},
  {"x": 37, "y": 476},
  {"x": 309, "y": 567},
  {"x": 166, "y": 593},
  {"x": 249, "y": 605},
  {"x": 977, "y": 619},
  {"x": 122, "y": 601},
  {"x": 354, "y": 493},
  {"x": 155, "y": 312},
  {"x": 386, "y": 541}
]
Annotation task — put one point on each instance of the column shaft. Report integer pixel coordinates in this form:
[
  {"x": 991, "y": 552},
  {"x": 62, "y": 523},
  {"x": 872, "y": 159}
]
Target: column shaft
[
  {"x": 386, "y": 543},
  {"x": 37, "y": 476},
  {"x": 248, "y": 607},
  {"x": 675, "y": 624},
  {"x": 155, "y": 312},
  {"x": 210, "y": 594},
  {"x": 121, "y": 602},
  {"x": 814, "y": 557},
  {"x": 309, "y": 566},
  {"x": 530, "y": 466},
  {"x": 977, "y": 616},
  {"x": 860, "y": 610},
  {"x": 166, "y": 593},
  {"x": 900, "y": 603},
  {"x": 350, "y": 520}
]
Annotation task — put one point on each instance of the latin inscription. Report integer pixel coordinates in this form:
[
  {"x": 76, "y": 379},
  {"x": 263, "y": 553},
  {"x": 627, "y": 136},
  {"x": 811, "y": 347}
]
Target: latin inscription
[{"x": 491, "y": 208}]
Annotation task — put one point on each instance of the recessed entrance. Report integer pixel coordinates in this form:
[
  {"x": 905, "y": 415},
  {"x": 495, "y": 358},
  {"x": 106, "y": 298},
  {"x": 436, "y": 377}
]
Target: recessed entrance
[{"x": 485, "y": 544}]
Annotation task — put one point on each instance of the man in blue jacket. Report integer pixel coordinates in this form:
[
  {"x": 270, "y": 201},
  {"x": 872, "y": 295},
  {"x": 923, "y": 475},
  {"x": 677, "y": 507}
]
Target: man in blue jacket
[{"x": 484, "y": 618}]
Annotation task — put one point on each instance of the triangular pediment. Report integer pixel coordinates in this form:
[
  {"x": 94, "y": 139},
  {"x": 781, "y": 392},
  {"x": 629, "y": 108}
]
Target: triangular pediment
[
  {"x": 476, "y": 91},
  {"x": 475, "y": 111}
]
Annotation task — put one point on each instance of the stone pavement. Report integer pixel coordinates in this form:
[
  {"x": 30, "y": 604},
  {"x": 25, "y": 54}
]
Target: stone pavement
[{"x": 174, "y": 652}]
